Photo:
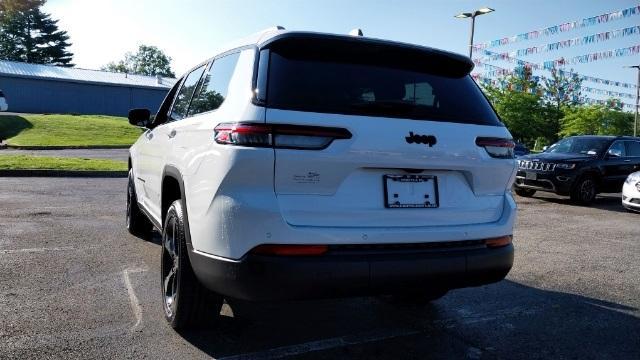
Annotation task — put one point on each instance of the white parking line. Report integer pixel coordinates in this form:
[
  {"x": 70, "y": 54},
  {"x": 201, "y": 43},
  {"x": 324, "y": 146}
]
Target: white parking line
[
  {"x": 133, "y": 299},
  {"x": 36, "y": 250}
]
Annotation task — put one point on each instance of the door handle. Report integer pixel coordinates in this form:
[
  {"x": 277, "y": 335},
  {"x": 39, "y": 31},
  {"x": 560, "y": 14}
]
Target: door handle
[
  {"x": 628, "y": 160},
  {"x": 172, "y": 134}
]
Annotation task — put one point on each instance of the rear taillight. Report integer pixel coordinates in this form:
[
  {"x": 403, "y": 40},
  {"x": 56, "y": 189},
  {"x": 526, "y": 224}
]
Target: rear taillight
[
  {"x": 497, "y": 147},
  {"x": 279, "y": 135},
  {"x": 499, "y": 241},
  {"x": 243, "y": 134}
]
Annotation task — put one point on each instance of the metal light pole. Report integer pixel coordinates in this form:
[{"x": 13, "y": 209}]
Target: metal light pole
[
  {"x": 473, "y": 15},
  {"x": 635, "y": 121}
]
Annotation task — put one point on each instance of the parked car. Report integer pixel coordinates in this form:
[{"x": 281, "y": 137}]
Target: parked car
[
  {"x": 298, "y": 165},
  {"x": 521, "y": 150},
  {"x": 631, "y": 192},
  {"x": 4, "y": 106},
  {"x": 580, "y": 167}
]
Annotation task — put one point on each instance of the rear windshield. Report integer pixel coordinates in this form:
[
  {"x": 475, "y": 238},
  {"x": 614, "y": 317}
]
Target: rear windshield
[{"x": 358, "y": 79}]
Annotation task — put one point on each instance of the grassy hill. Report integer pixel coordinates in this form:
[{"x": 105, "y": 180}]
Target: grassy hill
[{"x": 67, "y": 130}]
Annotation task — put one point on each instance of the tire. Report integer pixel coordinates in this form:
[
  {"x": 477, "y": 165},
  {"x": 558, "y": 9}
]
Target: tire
[
  {"x": 136, "y": 221},
  {"x": 419, "y": 298},
  {"x": 585, "y": 190},
  {"x": 186, "y": 303},
  {"x": 524, "y": 192}
]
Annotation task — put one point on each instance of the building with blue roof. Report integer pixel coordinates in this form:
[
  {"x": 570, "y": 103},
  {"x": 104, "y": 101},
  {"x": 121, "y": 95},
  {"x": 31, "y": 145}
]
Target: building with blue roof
[{"x": 46, "y": 89}]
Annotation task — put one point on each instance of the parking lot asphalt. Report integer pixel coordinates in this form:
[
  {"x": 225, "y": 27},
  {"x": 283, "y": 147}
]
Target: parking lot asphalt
[{"x": 75, "y": 284}]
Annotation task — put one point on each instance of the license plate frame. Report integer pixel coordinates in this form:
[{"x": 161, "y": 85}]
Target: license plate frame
[{"x": 427, "y": 189}]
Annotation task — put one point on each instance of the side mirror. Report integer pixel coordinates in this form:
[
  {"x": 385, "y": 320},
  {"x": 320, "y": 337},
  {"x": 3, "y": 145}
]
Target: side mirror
[
  {"x": 544, "y": 148},
  {"x": 140, "y": 117},
  {"x": 614, "y": 153}
]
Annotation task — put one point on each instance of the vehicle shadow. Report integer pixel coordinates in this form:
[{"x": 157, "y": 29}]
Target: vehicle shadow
[
  {"x": 506, "y": 319},
  {"x": 12, "y": 125}
]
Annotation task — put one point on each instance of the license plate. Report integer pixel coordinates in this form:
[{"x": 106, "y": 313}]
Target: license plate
[
  {"x": 530, "y": 175},
  {"x": 411, "y": 191}
]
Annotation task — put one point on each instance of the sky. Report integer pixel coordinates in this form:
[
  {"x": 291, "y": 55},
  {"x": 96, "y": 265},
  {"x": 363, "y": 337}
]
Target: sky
[{"x": 189, "y": 31}]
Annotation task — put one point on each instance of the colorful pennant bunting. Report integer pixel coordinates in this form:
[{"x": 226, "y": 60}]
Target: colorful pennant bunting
[
  {"x": 492, "y": 56},
  {"x": 607, "y": 92},
  {"x": 493, "y": 70},
  {"x": 600, "y": 80},
  {"x": 601, "y": 55},
  {"x": 555, "y": 29},
  {"x": 496, "y": 71},
  {"x": 484, "y": 80},
  {"x": 584, "y": 40}
]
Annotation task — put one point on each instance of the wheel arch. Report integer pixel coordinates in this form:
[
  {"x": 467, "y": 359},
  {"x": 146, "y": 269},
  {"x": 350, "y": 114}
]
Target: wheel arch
[
  {"x": 594, "y": 173},
  {"x": 173, "y": 189}
]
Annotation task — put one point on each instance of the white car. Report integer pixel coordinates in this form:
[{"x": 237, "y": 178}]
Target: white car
[
  {"x": 3, "y": 102},
  {"x": 298, "y": 165},
  {"x": 631, "y": 192}
]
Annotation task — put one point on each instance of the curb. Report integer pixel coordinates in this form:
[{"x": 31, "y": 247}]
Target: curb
[
  {"x": 64, "y": 173},
  {"x": 103, "y": 147}
]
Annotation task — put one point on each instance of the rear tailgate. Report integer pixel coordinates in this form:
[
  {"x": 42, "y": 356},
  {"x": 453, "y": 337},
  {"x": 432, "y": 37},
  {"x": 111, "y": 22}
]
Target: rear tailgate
[
  {"x": 414, "y": 115},
  {"x": 343, "y": 185}
]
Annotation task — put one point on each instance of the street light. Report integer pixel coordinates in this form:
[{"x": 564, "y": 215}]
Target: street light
[
  {"x": 635, "y": 121},
  {"x": 472, "y": 15}
]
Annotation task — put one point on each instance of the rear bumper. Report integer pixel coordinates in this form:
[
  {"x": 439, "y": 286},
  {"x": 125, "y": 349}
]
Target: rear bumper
[{"x": 351, "y": 273}]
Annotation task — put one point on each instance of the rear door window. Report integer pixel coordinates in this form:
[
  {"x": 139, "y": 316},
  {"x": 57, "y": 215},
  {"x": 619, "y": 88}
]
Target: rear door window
[
  {"x": 181, "y": 103},
  {"x": 360, "y": 79},
  {"x": 215, "y": 85},
  {"x": 633, "y": 148}
]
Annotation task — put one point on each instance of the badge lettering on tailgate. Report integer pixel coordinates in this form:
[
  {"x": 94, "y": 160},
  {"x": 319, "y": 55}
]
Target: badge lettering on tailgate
[
  {"x": 421, "y": 139},
  {"x": 310, "y": 178}
]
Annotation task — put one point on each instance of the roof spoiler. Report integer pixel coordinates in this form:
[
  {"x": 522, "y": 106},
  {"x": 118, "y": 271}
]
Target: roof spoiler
[
  {"x": 414, "y": 57},
  {"x": 262, "y": 33}
]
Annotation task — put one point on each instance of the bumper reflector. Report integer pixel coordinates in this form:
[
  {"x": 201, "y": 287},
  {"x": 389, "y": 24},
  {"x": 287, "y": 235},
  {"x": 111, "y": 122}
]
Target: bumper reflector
[
  {"x": 290, "y": 250},
  {"x": 499, "y": 241}
]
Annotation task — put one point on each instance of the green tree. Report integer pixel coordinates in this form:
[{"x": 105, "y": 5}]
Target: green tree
[
  {"x": 520, "y": 106},
  {"x": 148, "y": 60},
  {"x": 561, "y": 91},
  {"x": 562, "y": 88},
  {"x": 596, "y": 120},
  {"x": 205, "y": 101},
  {"x": 29, "y": 35}
]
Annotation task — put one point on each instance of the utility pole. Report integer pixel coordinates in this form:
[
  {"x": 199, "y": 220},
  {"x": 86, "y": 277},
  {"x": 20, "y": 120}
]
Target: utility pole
[
  {"x": 473, "y": 15},
  {"x": 473, "y": 28},
  {"x": 635, "y": 120}
]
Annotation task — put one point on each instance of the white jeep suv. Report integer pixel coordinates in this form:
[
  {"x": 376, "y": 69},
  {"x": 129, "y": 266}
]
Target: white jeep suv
[{"x": 297, "y": 165}]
